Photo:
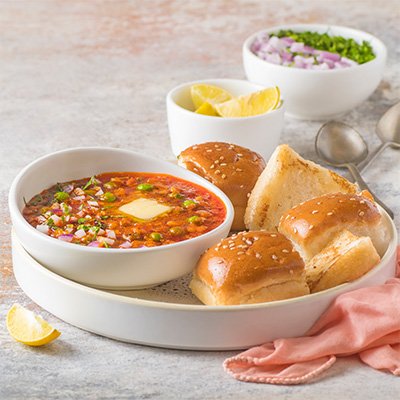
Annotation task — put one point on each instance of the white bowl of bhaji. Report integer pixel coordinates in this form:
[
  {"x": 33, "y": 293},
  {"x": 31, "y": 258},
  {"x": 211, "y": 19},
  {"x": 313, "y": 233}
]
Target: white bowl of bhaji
[{"x": 116, "y": 219}]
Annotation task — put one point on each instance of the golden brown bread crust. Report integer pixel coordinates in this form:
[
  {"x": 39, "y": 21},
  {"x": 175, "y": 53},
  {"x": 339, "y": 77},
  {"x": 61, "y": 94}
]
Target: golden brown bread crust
[
  {"x": 249, "y": 267},
  {"x": 346, "y": 258},
  {"x": 232, "y": 168},
  {"x": 312, "y": 224},
  {"x": 288, "y": 180}
]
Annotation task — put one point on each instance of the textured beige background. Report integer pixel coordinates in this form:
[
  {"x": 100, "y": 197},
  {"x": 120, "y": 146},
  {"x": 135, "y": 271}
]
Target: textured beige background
[{"x": 96, "y": 73}]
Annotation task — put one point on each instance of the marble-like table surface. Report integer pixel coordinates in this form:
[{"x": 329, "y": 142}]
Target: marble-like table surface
[{"x": 89, "y": 72}]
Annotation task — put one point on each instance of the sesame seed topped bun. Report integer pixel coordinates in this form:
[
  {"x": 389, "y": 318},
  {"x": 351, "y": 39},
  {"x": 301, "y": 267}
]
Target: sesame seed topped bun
[
  {"x": 232, "y": 168},
  {"x": 313, "y": 223},
  {"x": 249, "y": 267}
]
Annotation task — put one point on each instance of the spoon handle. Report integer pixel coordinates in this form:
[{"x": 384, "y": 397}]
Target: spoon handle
[
  {"x": 363, "y": 165},
  {"x": 363, "y": 186}
]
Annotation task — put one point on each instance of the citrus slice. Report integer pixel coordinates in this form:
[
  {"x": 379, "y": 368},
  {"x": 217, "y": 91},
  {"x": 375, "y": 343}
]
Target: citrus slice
[
  {"x": 202, "y": 93},
  {"x": 249, "y": 105},
  {"x": 29, "y": 328},
  {"x": 207, "y": 109}
]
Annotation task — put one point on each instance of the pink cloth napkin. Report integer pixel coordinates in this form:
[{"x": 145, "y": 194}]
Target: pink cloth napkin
[{"x": 364, "y": 322}]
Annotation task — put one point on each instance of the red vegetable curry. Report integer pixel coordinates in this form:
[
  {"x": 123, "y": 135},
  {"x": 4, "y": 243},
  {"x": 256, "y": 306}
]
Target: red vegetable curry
[{"x": 93, "y": 211}]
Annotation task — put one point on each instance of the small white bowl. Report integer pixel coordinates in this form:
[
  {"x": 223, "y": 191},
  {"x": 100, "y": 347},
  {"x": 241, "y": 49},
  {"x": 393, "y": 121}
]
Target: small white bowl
[
  {"x": 319, "y": 94},
  {"x": 116, "y": 269},
  {"x": 260, "y": 133}
]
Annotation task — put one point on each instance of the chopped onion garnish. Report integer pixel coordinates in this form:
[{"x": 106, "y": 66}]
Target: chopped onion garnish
[
  {"x": 93, "y": 203},
  {"x": 110, "y": 234},
  {"x": 103, "y": 239},
  {"x": 66, "y": 238},
  {"x": 94, "y": 244},
  {"x": 125, "y": 245},
  {"x": 43, "y": 228},
  {"x": 286, "y": 51},
  {"x": 80, "y": 233}
]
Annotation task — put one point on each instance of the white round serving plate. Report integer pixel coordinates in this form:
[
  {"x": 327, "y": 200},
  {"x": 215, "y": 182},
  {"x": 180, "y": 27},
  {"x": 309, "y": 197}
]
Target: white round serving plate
[{"x": 170, "y": 316}]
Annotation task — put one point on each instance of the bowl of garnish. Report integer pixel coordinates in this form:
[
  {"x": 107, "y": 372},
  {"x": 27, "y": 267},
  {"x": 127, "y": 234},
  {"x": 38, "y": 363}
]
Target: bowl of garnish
[
  {"x": 225, "y": 110},
  {"x": 323, "y": 71},
  {"x": 116, "y": 219}
]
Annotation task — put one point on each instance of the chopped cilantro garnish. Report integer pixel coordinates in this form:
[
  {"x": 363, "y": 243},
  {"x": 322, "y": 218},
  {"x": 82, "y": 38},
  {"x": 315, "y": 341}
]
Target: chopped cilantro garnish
[
  {"x": 81, "y": 220},
  {"x": 345, "y": 47},
  {"x": 91, "y": 181}
]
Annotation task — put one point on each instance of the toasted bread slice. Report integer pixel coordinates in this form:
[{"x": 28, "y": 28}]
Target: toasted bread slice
[
  {"x": 346, "y": 258},
  {"x": 286, "y": 181}
]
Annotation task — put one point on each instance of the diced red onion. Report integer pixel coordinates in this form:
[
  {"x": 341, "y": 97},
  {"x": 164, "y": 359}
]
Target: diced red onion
[
  {"x": 79, "y": 191},
  {"x": 280, "y": 51},
  {"x": 93, "y": 203},
  {"x": 78, "y": 198},
  {"x": 56, "y": 219},
  {"x": 80, "y": 233},
  {"x": 126, "y": 245},
  {"x": 99, "y": 192},
  {"x": 110, "y": 233},
  {"x": 68, "y": 188},
  {"x": 326, "y": 55},
  {"x": 66, "y": 238},
  {"x": 105, "y": 239},
  {"x": 95, "y": 243},
  {"x": 43, "y": 228}
]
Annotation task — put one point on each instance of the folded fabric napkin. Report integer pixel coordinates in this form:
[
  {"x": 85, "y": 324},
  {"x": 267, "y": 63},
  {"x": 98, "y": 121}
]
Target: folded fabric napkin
[{"x": 364, "y": 322}]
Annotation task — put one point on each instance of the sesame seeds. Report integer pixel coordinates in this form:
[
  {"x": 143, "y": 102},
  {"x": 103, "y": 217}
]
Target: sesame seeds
[
  {"x": 239, "y": 170},
  {"x": 361, "y": 213},
  {"x": 273, "y": 235},
  {"x": 353, "y": 199},
  {"x": 240, "y": 252},
  {"x": 223, "y": 164},
  {"x": 314, "y": 212},
  {"x": 249, "y": 242},
  {"x": 274, "y": 257},
  {"x": 239, "y": 154},
  {"x": 258, "y": 255},
  {"x": 329, "y": 213},
  {"x": 295, "y": 230},
  {"x": 362, "y": 201},
  {"x": 221, "y": 158},
  {"x": 241, "y": 186},
  {"x": 195, "y": 147},
  {"x": 248, "y": 195},
  {"x": 224, "y": 246},
  {"x": 311, "y": 227},
  {"x": 223, "y": 176},
  {"x": 209, "y": 151},
  {"x": 318, "y": 203},
  {"x": 217, "y": 172},
  {"x": 286, "y": 251},
  {"x": 212, "y": 166}
]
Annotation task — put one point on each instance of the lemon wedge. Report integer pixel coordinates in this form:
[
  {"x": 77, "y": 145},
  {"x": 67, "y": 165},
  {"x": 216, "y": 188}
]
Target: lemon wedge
[
  {"x": 207, "y": 109},
  {"x": 202, "y": 93},
  {"x": 29, "y": 328},
  {"x": 252, "y": 104}
]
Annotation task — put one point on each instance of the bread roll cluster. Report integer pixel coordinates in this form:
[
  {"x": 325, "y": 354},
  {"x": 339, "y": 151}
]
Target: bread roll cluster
[{"x": 309, "y": 228}]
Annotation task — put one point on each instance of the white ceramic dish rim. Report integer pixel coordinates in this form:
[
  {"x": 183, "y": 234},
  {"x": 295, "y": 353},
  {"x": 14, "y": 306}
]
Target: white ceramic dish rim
[
  {"x": 350, "y": 31},
  {"x": 54, "y": 242},
  {"x": 234, "y": 308},
  {"x": 172, "y": 92}
]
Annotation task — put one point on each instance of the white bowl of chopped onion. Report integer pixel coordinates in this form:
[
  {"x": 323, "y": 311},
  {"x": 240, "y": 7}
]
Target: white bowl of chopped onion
[{"x": 315, "y": 84}]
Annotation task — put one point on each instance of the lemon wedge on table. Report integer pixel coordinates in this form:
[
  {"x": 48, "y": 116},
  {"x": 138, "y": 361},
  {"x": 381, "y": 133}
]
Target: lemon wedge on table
[
  {"x": 28, "y": 328},
  {"x": 202, "y": 93},
  {"x": 250, "y": 105}
]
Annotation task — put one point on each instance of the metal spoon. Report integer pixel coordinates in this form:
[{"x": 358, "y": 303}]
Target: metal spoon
[
  {"x": 388, "y": 130},
  {"x": 342, "y": 146}
]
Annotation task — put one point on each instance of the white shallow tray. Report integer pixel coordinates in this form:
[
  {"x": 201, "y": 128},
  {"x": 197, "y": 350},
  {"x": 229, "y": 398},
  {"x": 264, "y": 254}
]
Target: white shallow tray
[{"x": 169, "y": 316}]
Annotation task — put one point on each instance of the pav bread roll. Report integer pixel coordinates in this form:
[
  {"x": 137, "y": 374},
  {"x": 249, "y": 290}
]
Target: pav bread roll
[
  {"x": 287, "y": 180},
  {"x": 346, "y": 258},
  {"x": 314, "y": 223},
  {"x": 232, "y": 168},
  {"x": 249, "y": 267}
]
